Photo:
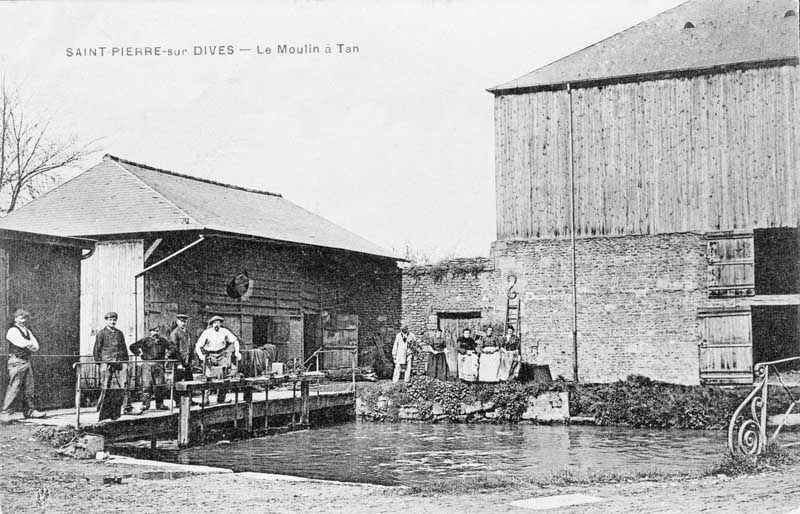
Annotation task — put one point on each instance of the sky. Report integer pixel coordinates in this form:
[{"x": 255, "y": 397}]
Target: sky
[{"x": 394, "y": 141}]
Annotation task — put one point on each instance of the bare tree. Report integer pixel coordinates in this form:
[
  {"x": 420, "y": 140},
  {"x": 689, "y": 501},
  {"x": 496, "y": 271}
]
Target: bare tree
[{"x": 29, "y": 159}]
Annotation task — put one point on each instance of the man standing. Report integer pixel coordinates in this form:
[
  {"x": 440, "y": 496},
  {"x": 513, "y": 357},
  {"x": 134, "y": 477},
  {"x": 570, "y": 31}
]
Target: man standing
[
  {"x": 21, "y": 343},
  {"x": 213, "y": 348},
  {"x": 112, "y": 354},
  {"x": 402, "y": 353},
  {"x": 179, "y": 338},
  {"x": 150, "y": 349}
]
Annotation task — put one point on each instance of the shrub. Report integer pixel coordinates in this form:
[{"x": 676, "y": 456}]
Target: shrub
[
  {"x": 735, "y": 464},
  {"x": 641, "y": 402}
]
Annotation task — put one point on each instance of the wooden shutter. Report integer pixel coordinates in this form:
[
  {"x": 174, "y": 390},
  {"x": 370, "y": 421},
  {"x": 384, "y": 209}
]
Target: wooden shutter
[
  {"x": 726, "y": 349},
  {"x": 730, "y": 265}
]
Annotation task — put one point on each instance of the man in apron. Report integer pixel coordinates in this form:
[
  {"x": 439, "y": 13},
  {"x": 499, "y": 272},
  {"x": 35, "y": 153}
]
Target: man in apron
[
  {"x": 214, "y": 348},
  {"x": 402, "y": 353},
  {"x": 152, "y": 349}
]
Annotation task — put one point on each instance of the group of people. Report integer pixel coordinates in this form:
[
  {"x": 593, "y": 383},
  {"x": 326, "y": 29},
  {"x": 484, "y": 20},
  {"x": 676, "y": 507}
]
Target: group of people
[
  {"x": 485, "y": 358},
  {"x": 214, "y": 352}
]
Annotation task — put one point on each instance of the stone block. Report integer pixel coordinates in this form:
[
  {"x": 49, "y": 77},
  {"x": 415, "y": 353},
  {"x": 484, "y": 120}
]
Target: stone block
[
  {"x": 471, "y": 408},
  {"x": 85, "y": 447},
  {"x": 409, "y": 413},
  {"x": 548, "y": 407}
]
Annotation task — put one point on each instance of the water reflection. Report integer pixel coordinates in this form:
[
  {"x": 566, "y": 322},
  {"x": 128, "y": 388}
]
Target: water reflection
[{"x": 415, "y": 453}]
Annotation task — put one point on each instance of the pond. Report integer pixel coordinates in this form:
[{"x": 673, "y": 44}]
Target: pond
[{"x": 394, "y": 454}]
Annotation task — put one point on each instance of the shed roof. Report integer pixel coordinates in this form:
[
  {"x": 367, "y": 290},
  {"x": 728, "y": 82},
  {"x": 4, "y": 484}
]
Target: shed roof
[
  {"x": 723, "y": 33},
  {"x": 119, "y": 197}
]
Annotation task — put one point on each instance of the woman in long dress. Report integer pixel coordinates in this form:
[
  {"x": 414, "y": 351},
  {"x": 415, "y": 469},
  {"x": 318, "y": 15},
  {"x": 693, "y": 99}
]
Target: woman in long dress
[
  {"x": 437, "y": 362},
  {"x": 467, "y": 357}
]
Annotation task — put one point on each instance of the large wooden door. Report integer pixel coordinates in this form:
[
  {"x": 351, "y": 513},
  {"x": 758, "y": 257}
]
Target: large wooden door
[
  {"x": 452, "y": 325},
  {"x": 45, "y": 280},
  {"x": 340, "y": 339},
  {"x": 726, "y": 348}
]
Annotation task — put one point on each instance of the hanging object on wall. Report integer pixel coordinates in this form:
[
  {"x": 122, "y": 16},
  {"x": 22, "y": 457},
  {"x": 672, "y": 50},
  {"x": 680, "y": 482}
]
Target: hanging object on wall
[
  {"x": 240, "y": 287},
  {"x": 512, "y": 306}
]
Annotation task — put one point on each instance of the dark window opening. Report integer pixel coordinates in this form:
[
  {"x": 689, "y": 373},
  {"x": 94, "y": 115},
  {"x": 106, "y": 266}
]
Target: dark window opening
[
  {"x": 777, "y": 261},
  {"x": 776, "y": 334},
  {"x": 790, "y": 14},
  {"x": 262, "y": 330},
  {"x": 688, "y": 25}
]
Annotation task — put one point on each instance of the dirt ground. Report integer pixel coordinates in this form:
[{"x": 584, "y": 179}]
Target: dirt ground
[{"x": 34, "y": 479}]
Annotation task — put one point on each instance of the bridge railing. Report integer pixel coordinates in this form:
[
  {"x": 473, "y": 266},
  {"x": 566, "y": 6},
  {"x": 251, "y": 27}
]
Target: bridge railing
[{"x": 747, "y": 431}]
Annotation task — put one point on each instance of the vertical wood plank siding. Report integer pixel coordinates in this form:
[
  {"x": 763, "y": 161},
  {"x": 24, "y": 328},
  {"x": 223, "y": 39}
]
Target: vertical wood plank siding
[
  {"x": 107, "y": 285},
  {"x": 716, "y": 152}
]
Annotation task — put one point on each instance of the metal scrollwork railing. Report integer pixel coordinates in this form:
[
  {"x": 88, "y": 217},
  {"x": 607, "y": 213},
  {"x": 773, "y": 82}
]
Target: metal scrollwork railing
[{"x": 747, "y": 432}]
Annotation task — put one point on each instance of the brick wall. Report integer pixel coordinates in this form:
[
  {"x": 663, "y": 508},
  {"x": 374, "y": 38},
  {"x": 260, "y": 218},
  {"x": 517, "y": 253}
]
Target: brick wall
[{"x": 638, "y": 298}]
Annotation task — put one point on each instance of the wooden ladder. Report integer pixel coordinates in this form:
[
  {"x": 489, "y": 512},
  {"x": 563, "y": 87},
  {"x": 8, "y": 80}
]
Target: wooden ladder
[{"x": 512, "y": 313}]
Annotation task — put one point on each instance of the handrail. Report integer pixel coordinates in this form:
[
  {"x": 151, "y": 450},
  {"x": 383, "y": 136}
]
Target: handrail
[
  {"x": 78, "y": 366},
  {"x": 749, "y": 436}
]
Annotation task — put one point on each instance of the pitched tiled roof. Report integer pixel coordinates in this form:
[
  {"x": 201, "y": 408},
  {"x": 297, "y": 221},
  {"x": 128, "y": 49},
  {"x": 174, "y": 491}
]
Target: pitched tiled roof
[
  {"x": 119, "y": 197},
  {"x": 725, "y": 32}
]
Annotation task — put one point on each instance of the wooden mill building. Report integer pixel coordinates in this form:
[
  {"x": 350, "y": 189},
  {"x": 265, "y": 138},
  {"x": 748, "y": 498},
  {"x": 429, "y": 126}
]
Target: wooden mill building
[
  {"x": 677, "y": 144},
  {"x": 169, "y": 243},
  {"x": 673, "y": 149}
]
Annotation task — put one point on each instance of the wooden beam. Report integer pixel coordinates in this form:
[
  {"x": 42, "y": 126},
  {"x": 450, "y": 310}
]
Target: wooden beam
[
  {"x": 145, "y": 428},
  {"x": 773, "y": 299},
  {"x": 152, "y": 249}
]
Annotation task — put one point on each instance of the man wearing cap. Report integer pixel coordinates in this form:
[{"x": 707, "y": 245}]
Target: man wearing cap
[
  {"x": 21, "y": 344},
  {"x": 213, "y": 348},
  {"x": 183, "y": 346},
  {"x": 151, "y": 349},
  {"x": 112, "y": 354}
]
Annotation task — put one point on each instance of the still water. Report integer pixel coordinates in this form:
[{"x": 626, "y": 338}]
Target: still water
[{"x": 409, "y": 454}]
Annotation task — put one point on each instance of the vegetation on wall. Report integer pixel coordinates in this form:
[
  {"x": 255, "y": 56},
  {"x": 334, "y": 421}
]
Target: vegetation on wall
[
  {"x": 643, "y": 403},
  {"x": 455, "y": 268},
  {"x": 429, "y": 399},
  {"x": 637, "y": 402}
]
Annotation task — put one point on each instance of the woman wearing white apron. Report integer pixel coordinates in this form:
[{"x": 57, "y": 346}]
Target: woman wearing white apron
[{"x": 467, "y": 357}]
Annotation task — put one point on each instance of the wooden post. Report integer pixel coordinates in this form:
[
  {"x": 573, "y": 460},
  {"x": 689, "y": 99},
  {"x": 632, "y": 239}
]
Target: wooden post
[
  {"x": 248, "y": 399},
  {"x": 304, "y": 402},
  {"x": 266, "y": 407},
  {"x": 294, "y": 404},
  {"x": 183, "y": 420},
  {"x": 78, "y": 396},
  {"x": 236, "y": 408}
]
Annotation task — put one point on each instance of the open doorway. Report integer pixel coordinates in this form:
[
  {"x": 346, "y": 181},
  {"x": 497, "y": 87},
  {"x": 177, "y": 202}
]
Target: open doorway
[
  {"x": 776, "y": 334},
  {"x": 776, "y": 325}
]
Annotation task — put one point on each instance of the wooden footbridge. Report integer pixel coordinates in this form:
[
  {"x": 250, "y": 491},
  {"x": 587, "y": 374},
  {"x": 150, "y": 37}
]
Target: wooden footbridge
[{"x": 297, "y": 401}]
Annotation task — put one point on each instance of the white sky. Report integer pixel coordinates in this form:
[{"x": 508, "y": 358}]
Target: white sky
[{"x": 395, "y": 143}]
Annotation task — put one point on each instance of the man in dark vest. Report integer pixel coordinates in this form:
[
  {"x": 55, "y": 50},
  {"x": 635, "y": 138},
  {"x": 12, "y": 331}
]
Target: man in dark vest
[
  {"x": 112, "y": 354},
  {"x": 184, "y": 346},
  {"x": 152, "y": 349},
  {"x": 21, "y": 343}
]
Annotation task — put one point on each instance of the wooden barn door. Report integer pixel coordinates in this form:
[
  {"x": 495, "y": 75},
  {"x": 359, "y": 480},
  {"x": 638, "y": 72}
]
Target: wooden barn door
[
  {"x": 726, "y": 349},
  {"x": 453, "y": 325},
  {"x": 340, "y": 339},
  {"x": 45, "y": 280}
]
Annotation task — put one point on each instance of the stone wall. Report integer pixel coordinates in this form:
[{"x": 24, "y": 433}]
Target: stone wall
[{"x": 638, "y": 298}]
